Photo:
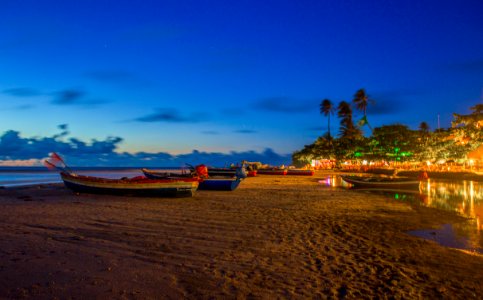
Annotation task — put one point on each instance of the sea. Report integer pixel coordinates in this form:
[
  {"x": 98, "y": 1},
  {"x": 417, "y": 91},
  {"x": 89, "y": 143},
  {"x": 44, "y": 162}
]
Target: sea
[{"x": 24, "y": 176}]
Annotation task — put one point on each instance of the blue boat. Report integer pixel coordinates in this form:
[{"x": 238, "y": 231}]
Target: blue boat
[
  {"x": 213, "y": 183},
  {"x": 220, "y": 184}
]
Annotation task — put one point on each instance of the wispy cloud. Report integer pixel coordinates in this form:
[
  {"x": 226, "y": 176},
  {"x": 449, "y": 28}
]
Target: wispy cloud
[
  {"x": 68, "y": 97},
  {"x": 19, "y": 107},
  {"x": 392, "y": 102},
  {"x": 475, "y": 66},
  {"x": 245, "y": 131},
  {"x": 76, "y": 97},
  {"x": 284, "y": 105},
  {"x": 22, "y": 92},
  {"x": 210, "y": 132},
  {"x": 118, "y": 77},
  {"x": 168, "y": 115}
]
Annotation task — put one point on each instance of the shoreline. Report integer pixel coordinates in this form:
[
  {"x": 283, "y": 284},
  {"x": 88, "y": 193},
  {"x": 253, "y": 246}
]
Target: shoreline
[{"x": 273, "y": 237}]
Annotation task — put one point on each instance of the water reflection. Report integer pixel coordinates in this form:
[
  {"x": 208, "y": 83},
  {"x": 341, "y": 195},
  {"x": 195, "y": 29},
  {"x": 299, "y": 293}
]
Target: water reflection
[{"x": 463, "y": 197}]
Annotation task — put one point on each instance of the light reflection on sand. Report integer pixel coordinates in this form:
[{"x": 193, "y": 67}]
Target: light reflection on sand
[{"x": 463, "y": 197}]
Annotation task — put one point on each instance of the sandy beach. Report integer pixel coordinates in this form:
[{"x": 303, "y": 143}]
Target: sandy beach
[{"x": 273, "y": 237}]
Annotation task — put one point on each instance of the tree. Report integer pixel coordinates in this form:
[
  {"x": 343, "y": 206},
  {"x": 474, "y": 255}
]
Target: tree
[
  {"x": 347, "y": 128},
  {"x": 361, "y": 101},
  {"x": 327, "y": 109},
  {"x": 424, "y": 127},
  {"x": 394, "y": 142},
  {"x": 470, "y": 126},
  {"x": 425, "y": 150}
]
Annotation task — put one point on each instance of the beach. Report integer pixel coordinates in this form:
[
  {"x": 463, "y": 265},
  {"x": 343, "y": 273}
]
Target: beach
[{"x": 273, "y": 237}]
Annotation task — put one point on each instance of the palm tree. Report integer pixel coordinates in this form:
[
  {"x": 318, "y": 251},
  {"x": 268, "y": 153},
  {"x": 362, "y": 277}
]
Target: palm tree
[
  {"x": 361, "y": 101},
  {"x": 327, "y": 109},
  {"x": 425, "y": 149},
  {"x": 424, "y": 127},
  {"x": 344, "y": 111}
]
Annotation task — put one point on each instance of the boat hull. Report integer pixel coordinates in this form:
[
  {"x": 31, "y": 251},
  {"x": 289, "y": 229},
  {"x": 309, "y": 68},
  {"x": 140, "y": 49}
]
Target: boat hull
[
  {"x": 361, "y": 182},
  {"x": 152, "y": 174},
  {"x": 127, "y": 187},
  {"x": 298, "y": 172},
  {"x": 220, "y": 184},
  {"x": 221, "y": 172},
  {"x": 214, "y": 183},
  {"x": 271, "y": 172}
]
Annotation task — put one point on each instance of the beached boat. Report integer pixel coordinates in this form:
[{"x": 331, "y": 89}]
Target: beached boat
[
  {"x": 228, "y": 172},
  {"x": 272, "y": 171},
  {"x": 154, "y": 174},
  {"x": 137, "y": 186},
  {"x": 382, "y": 182},
  {"x": 300, "y": 172},
  {"x": 220, "y": 183}
]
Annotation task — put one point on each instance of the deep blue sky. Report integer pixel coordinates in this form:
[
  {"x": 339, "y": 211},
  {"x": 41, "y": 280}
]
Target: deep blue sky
[{"x": 219, "y": 76}]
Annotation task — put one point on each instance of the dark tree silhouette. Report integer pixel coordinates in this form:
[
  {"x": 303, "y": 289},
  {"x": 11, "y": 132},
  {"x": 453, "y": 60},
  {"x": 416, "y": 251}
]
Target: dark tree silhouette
[
  {"x": 361, "y": 101},
  {"x": 347, "y": 128},
  {"x": 424, "y": 127},
  {"x": 327, "y": 109}
]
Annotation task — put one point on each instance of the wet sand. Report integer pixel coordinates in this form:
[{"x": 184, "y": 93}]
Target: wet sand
[{"x": 273, "y": 237}]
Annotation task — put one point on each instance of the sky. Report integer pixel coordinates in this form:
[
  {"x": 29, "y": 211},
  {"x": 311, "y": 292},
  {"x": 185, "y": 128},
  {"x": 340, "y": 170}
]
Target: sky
[{"x": 162, "y": 82}]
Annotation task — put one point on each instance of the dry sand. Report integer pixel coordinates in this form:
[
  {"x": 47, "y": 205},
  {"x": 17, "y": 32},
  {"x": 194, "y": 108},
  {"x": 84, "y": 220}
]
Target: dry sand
[{"x": 274, "y": 237}]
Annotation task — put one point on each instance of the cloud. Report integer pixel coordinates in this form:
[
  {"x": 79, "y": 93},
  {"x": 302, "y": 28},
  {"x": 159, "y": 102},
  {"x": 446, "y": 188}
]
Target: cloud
[
  {"x": 246, "y": 131},
  {"x": 168, "y": 115},
  {"x": 284, "y": 105},
  {"x": 392, "y": 102},
  {"x": 75, "y": 97},
  {"x": 22, "y": 92},
  {"x": 475, "y": 66},
  {"x": 19, "y": 107},
  {"x": 210, "y": 132},
  {"x": 118, "y": 77},
  {"x": 68, "y": 97},
  {"x": 23, "y": 107},
  {"x": 15, "y": 148}
]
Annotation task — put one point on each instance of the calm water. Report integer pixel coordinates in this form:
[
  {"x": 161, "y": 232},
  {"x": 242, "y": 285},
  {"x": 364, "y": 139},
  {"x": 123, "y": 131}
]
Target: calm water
[
  {"x": 18, "y": 176},
  {"x": 463, "y": 197}
]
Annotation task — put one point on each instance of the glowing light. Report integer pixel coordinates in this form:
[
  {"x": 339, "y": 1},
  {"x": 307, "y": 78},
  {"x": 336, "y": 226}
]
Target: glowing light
[
  {"x": 428, "y": 163},
  {"x": 364, "y": 162}
]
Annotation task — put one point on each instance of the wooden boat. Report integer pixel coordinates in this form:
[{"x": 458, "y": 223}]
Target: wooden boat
[
  {"x": 154, "y": 174},
  {"x": 137, "y": 186},
  {"x": 220, "y": 183},
  {"x": 272, "y": 171},
  {"x": 300, "y": 172},
  {"x": 228, "y": 172},
  {"x": 382, "y": 182}
]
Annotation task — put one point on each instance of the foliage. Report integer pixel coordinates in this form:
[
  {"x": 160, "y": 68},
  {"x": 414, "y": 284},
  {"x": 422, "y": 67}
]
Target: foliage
[
  {"x": 327, "y": 109},
  {"x": 394, "y": 142}
]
